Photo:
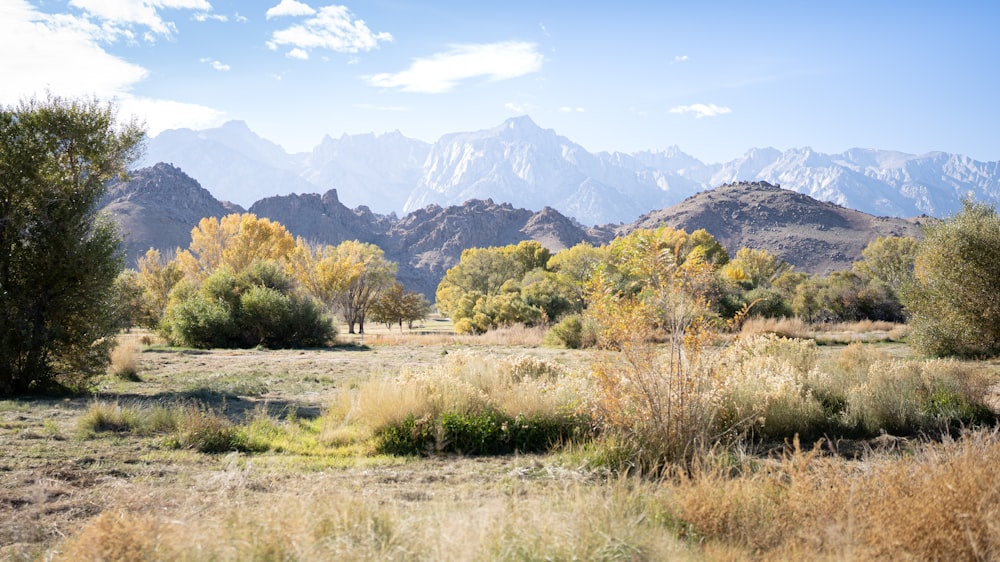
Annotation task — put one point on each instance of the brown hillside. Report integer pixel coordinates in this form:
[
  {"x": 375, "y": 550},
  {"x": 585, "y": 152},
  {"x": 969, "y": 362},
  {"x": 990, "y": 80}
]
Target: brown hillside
[
  {"x": 812, "y": 235},
  {"x": 158, "y": 207}
]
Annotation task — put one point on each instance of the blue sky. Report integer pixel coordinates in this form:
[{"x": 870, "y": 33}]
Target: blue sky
[{"x": 714, "y": 78}]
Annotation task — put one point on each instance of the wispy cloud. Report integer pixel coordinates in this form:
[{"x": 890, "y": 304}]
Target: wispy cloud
[
  {"x": 290, "y": 8},
  {"x": 120, "y": 15},
  {"x": 216, "y": 65},
  {"x": 442, "y": 72},
  {"x": 701, "y": 110},
  {"x": 204, "y": 16},
  {"x": 333, "y": 28},
  {"x": 568, "y": 109},
  {"x": 681, "y": 58}
]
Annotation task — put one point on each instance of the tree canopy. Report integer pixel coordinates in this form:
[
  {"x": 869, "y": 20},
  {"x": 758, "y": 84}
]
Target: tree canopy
[
  {"x": 58, "y": 257},
  {"x": 954, "y": 297}
]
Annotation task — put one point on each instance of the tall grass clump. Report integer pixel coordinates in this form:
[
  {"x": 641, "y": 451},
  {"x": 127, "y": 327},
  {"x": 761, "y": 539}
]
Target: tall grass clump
[
  {"x": 470, "y": 403},
  {"x": 763, "y": 387},
  {"x": 125, "y": 361},
  {"x": 655, "y": 405},
  {"x": 866, "y": 392}
]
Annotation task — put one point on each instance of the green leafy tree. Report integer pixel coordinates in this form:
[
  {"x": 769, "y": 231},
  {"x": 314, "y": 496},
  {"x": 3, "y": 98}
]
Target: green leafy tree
[
  {"x": 954, "y": 298},
  {"x": 888, "y": 260},
  {"x": 484, "y": 290},
  {"x": 58, "y": 257},
  {"x": 397, "y": 305}
]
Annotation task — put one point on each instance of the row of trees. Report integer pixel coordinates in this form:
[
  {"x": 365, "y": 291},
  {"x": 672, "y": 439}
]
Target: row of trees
[
  {"x": 525, "y": 283},
  {"x": 245, "y": 281}
]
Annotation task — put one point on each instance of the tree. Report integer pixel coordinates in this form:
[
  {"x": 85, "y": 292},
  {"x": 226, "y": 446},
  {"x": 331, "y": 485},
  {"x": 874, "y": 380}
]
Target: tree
[
  {"x": 397, "y": 305},
  {"x": 257, "y": 306},
  {"x": 371, "y": 274},
  {"x": 236, "y": 240},
  {"x": 484, "y": 289},
  {"x": 888, "y": 260},
  {"x": 954, "y": 297},
  {"x": 321, "y": 271},
  {"x": 58, "y": 257},
  {"x": 156, "y": 276}
]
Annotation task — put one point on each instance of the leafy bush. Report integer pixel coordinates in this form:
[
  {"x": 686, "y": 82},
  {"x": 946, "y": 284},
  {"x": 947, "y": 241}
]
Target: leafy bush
[
  {"x": 482, "y": 433},
  {"x": 953, "y": 296},
  {"x": 254, "y": 308}
]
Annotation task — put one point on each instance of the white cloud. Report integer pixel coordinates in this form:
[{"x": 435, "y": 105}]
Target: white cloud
[
  {"x": 204, "y": 16},
  {"x": 297, "y": 53},
  {"x": 216, "y": 65},
  {"x": 701, "y": 110},
  {"x": 62, "y": 54},
  {"x": 443, "y": 71},
  {"x": 681, "y": 58},
  {"x": 57, "y": 53},
  {"x": 518, "y": 107},
  {"x": 333, "y": 28},
  {"x": 119, "y": 15},
  {"x": 568, "y": 109},
  {"x": 290, "y": 8},
  {"x": 161, "y": 115}
]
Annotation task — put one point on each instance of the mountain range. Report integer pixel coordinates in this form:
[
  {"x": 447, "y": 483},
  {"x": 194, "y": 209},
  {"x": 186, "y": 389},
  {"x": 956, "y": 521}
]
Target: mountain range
[
  {"x": 520, "y": 163},
  {"x": 159, "y": 205}
]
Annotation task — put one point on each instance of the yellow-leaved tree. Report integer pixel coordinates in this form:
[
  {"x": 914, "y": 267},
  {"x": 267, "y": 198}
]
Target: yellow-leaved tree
[{"x": 236, "y": 241}]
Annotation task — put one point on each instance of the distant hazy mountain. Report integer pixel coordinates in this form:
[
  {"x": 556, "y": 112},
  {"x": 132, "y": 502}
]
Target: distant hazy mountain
[
  {"x": 379, "y": 172},
  {"x": 520, "y": 163},
  {"x": 525, "y": 165}
]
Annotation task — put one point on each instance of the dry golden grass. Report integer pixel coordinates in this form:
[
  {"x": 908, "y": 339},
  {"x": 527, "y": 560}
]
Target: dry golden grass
[
  {"x": 941, "y": 502},
  {"x": 784, "y": 327},
  {"x": 125, "y": 360}
]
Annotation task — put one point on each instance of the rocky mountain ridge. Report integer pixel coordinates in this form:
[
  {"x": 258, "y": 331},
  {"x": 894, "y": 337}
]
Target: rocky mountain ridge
[{"x": 531, "y": 167}]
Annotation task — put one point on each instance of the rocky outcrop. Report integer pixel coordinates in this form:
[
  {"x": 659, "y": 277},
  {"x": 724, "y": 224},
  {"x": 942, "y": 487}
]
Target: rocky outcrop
[
  {"x": 157, "y": 208},
  {"x": 814, "y": 236}
]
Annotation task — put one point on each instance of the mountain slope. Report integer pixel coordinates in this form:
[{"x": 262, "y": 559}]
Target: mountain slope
[
  {"x": 158, "y": 207},
  {"x": 814, "y": 236}
]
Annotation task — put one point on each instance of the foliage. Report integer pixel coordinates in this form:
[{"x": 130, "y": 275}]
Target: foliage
[
  {"x": 575, "y": 331},
  {"x": 58, "y": 257},
  {"x": 397, "y": 305},
  {"x": 156, "y": 276},
  {"x": 843, "y": 296},
  {"x": 235, "y": 241},
  {"x": 484, "y": 290},
  {"x": 370, "y": 275},
  {"x": 888, "y": 261},
  {"x": 754, "y": 268},
  {"x": 954, "y": 299},
  {"x": 254, "y": 308}
]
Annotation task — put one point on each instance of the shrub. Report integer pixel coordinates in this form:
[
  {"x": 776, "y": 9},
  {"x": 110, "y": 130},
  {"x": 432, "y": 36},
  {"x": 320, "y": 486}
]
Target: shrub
[
  {"x": 952, "y": 299},
  {"x": 255, "y": 308}
]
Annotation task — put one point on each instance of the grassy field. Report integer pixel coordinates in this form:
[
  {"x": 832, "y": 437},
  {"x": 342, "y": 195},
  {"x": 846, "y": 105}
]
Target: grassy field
[{"x": 121, "y": 474}]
